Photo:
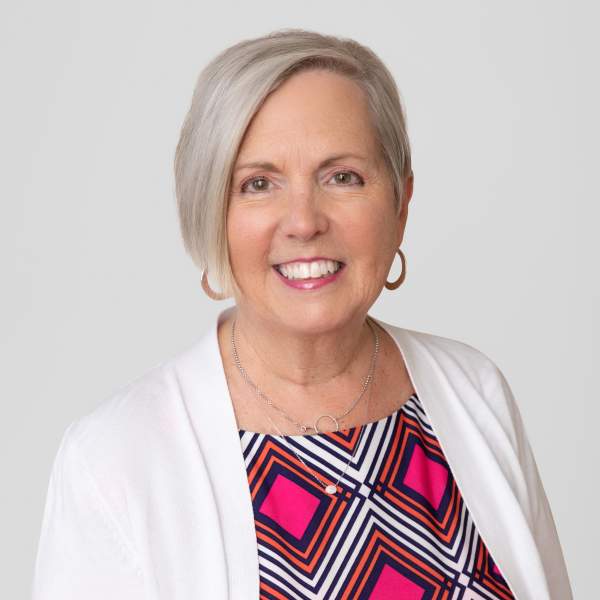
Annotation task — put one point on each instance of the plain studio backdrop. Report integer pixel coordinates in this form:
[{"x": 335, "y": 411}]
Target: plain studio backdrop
[{"x": 501, "y": 242}]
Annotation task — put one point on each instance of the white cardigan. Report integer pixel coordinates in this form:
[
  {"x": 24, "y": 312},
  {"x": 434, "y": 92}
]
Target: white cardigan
[{"x": 149, "y": 499}]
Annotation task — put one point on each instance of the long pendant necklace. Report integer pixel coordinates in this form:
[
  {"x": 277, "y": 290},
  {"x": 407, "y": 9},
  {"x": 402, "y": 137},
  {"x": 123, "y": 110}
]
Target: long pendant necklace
[{"x": 331, "y": 488}]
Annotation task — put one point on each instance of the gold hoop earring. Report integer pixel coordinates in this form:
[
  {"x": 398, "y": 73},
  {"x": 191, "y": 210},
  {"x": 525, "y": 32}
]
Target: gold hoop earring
[
  {"x": 208, "y": 290},
  {"x": 395, "y": 284}
]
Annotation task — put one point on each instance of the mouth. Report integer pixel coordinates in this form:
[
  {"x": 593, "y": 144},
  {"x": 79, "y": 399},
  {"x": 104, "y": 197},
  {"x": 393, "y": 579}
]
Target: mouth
[{"x": 309, "y": 271}]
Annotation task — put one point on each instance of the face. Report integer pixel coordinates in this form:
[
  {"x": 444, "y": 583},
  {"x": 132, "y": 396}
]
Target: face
[{"x": 309, "y": 182}]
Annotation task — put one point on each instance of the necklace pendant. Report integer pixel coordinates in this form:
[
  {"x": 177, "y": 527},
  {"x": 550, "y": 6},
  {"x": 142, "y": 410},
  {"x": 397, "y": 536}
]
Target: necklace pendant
[
  {"x": 337, "y": 425},
  {"x": 331, "y": 489}
]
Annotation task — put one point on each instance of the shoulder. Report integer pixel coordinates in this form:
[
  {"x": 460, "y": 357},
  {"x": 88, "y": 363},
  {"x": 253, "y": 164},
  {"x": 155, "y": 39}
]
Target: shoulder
[
  {"x": 132, "y": 435},
  {"x": 453, "y": 356},
  {"x": 131, "y": 415},
  {"x": 105, "y": 469},
  {"x": 460, "y": 368}
]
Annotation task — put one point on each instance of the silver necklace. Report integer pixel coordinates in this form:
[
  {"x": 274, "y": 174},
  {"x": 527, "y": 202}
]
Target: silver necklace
[
  {"x": 302, "y": 427},
  {"x": 331, "y": 488}
]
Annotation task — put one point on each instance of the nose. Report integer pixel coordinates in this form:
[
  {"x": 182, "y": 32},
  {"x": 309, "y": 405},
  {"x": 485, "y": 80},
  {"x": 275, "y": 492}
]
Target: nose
[{"x": 304, "y": 216}]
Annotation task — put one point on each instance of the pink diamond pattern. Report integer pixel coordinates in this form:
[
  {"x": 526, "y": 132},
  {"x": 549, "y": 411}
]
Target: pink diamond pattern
[
  {"x": 426, "y": 477},
  {"x": 392, "y": 585},
  {"x": 289, "y": 505}
]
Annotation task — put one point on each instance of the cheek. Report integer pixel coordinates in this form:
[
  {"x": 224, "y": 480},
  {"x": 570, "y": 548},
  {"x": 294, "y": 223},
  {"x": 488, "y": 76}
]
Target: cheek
[
  {"x": 374, "y": 250},
  {"x": 248, "y": 241},
  {"x": 373, "y": 237}
]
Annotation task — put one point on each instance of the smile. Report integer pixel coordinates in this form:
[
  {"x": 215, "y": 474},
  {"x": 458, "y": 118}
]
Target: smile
[
  {"x": 309, "y": 270},
  {"x": 301, "y": 278}
]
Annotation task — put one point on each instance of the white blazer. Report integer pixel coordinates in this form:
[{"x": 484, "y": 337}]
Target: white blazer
[{"x": 149, "y": 498}]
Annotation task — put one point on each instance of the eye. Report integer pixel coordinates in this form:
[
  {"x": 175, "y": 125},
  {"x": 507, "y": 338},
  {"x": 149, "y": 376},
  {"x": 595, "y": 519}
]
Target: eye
[
  {"x": 262, "y": 188},
  {"x": 345, "y": 180}
]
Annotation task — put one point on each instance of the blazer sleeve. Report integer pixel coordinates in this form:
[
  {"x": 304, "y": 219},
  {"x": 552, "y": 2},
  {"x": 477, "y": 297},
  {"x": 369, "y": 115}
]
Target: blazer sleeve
[
  {"x": 542, "y": 521},
  {"x": 81, "y": 553}
]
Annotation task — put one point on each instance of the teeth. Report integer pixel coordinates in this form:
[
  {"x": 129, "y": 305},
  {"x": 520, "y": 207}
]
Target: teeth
[{"x": 312, "y": 270}]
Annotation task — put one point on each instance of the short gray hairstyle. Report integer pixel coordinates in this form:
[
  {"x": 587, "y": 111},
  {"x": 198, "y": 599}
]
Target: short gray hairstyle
[{"x": 228, "y": 93}]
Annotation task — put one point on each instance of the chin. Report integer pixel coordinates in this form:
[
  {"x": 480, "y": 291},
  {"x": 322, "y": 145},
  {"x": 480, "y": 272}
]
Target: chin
[{"x": 313, "y": 318}]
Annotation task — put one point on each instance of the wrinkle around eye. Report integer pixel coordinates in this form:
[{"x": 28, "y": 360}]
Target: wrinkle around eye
[
  {"x": 248, "y": 182},
  {"x": 361, "y": 181},
  {"x": 244, "y": 185}
]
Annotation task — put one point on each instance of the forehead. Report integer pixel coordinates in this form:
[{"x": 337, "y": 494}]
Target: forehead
[{"x": 311, "y": 113}]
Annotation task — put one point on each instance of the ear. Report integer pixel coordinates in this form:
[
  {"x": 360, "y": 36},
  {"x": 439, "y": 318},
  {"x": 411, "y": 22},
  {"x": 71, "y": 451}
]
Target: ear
[{"x": 408, "y": 192}]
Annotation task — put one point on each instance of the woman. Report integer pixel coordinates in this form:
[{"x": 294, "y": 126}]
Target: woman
[{"x": 301, "y": 448}]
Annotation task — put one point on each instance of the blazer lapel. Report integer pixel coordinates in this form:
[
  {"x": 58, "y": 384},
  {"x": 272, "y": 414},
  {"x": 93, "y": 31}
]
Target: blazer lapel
[{"x": 206, "y": 394}]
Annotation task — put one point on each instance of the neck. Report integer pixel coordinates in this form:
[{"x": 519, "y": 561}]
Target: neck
[{"x": 306, "y": 366}]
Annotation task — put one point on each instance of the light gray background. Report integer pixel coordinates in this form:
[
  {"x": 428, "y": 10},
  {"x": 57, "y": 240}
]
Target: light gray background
[{"x": 501, "y": 242}]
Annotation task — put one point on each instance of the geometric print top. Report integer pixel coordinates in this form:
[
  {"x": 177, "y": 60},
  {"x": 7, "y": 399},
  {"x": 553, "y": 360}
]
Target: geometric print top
[{"x": 396, "y": 529}]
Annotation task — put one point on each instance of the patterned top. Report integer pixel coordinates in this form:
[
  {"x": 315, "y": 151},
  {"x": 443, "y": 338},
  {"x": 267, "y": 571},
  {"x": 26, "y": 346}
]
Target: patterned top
[{"x": 397, "y": 528}]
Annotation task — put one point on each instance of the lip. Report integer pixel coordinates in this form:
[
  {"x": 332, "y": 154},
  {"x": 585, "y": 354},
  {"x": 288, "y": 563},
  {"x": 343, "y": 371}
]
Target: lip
[{"x": 310, "y": 284}]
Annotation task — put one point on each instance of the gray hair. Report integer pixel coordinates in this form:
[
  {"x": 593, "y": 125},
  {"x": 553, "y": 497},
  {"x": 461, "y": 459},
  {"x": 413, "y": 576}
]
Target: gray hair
[{"x": 228, "y": 93}]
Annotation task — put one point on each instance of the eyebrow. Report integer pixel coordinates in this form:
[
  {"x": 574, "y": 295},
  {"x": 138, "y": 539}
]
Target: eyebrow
[{"x": 269, "y": 166}]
